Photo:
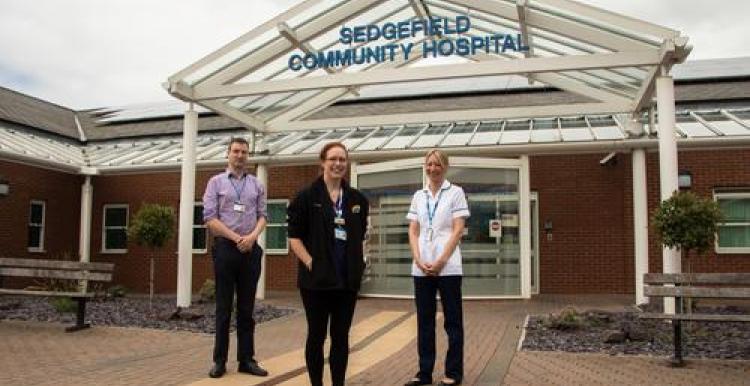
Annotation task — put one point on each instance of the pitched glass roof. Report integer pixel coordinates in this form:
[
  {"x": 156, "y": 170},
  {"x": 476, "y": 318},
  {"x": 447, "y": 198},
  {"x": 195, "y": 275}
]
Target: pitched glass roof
[
  {"x": 464, "y": 136},
  {"x": 276, "y": 76}
]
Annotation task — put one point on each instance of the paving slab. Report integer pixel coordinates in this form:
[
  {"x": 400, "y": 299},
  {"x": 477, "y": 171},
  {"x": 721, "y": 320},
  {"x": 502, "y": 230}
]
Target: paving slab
[{"x": 383, "y": 351}]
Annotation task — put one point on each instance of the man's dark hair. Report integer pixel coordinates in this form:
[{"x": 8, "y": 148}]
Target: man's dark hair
[{"x": 238, "y": 140}]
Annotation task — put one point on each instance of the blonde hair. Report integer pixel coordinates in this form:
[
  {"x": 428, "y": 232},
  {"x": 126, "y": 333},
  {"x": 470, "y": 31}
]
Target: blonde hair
[{"x": 441, "y": 157}]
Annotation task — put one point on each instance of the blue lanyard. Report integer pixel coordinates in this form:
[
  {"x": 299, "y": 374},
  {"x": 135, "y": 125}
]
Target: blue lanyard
[
  {"x": 431, "y": 213},
  {"x": 239, "y": 192}
]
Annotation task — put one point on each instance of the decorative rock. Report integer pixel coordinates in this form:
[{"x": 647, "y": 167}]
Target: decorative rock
[
  {"x": 182, "y": 314},
  {"x": 9, "y": 306},
  {"x": 639, "y": 334},
  {"x": 614, "y": 336},
  {"x": 644, "y": 336},
  {"x": 134, "y": 311}
]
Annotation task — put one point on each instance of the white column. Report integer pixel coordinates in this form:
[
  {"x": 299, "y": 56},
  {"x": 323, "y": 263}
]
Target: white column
[
  {"x": 262, "y": 174},
  {"x": 524, "y": 211},
  {"x": 353, "y": 180},
  {"x": 84, "y": 233},
  {"x": 187, "y": 198},
  {"x": 667, "y": 166},
  {"x": 640, "y": 222}
]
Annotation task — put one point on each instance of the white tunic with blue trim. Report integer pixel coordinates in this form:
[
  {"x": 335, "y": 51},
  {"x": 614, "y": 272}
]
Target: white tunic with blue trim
[{"x": 451, "y": 203}]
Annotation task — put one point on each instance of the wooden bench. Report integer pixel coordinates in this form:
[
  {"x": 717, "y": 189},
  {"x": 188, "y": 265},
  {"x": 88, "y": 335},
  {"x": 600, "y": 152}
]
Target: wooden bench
[
  {"x": 57, "y": 269},
  {"x": 724, "y": 286}
]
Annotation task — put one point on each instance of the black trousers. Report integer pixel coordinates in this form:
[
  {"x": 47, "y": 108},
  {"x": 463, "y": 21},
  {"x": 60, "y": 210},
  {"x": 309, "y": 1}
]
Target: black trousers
[
  {"x": 425, "y": 289},
  {"x": 320, "y": 307},
  {"x": 235, "y": 271}
]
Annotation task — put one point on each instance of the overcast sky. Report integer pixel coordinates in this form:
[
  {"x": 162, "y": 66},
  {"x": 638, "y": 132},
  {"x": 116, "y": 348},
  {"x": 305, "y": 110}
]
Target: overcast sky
[{"x": 94, "y": 53}]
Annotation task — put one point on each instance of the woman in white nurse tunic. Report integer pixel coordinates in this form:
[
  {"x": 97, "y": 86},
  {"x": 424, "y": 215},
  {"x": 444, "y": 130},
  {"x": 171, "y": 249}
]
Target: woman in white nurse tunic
[{"x": 436, "y": 222}]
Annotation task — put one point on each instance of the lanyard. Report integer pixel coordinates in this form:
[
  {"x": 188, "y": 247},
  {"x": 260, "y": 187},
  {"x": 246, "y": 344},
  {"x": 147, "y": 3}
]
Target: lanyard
[
  {"x": 431, "y": 213},
  {"x": 238, "y": 191},
  {"x": 339, "y": 205}
]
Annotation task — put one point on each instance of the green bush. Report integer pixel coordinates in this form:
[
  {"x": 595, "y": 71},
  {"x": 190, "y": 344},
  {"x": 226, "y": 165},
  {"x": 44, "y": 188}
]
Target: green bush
[
  {"x": 64, "y": 305},
  {"x": 152, "y": 225},
  {"x": 687, "y": 222},
  {"x": 208, "y": 291},
  {"x": 117, "y": 291},
  {"x": 567, "y": 319}
]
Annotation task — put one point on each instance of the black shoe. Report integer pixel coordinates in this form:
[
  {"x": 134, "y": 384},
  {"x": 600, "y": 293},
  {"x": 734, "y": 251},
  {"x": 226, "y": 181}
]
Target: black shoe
[
  {"x": 416, "y": 382},
  {"x": 251, "y": 367},
  {"x": 218, "y": 370}
]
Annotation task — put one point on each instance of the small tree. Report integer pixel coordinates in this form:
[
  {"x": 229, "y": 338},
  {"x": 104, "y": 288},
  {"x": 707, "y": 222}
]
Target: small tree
[
  {"x": 152, "y": 226},
  {"x": 687, "y": 222}
]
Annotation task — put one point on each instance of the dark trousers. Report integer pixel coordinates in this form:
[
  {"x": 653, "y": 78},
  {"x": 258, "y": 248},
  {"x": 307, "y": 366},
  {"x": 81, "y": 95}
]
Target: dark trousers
[
  {"x": 425, "y": 289},
  {"x": 320, "y": 307},
  {"x": 235, "y": 271}
]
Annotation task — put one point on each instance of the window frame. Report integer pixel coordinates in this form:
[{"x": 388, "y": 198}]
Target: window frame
[
  {"x": 104, "y": 228},
  {"x": 285, "y": 225},
  {"x": 718, "y": 195},
  {"x": 40, "y": 247},
  {"x": 202, "y": 225}
]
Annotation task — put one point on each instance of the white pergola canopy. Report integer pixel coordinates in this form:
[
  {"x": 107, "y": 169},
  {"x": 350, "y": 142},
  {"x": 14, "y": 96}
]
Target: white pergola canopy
[
  {"x": 610, "y": 59},
  {"x": 617, "y": 64}
]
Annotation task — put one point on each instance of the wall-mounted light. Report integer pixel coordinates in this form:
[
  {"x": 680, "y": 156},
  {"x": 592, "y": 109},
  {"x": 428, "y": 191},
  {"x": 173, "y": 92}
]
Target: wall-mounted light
[
  {"x": 684, "y": 179},
  {"x": 4, "y": 187},
  {"x": 548, "y": 229}
]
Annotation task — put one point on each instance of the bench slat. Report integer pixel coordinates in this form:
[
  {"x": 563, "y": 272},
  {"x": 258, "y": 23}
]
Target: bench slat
[
  {"x": 55, "y": 264},
  {"x": 45, "y": 293},
  {"x": 697, "y": 278},
  {"x": 697, "y": 292},
  {"x": 696, "y": 317},
  {"x": 52, "y": 274}
]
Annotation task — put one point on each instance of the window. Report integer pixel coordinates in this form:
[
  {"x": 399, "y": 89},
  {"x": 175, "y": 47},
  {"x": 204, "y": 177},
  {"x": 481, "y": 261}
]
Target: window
[
  {"x": 734, "y": 232},
  {"x": 36, "y": 226},
  {"x": 276, "y": 237},
  {"x": 200, "y": 235},
  {"x": 115, "y": 229}
]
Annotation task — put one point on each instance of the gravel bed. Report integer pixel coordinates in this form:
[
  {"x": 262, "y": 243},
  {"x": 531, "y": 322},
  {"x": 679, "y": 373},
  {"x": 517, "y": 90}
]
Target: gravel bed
[
  {"x": 631, "y": 335},
  {"x": 131, "y": 311}
]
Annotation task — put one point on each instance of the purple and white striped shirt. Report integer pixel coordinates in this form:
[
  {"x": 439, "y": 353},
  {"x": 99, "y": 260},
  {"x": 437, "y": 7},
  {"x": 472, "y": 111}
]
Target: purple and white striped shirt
[{"x": 222, "y": 194}]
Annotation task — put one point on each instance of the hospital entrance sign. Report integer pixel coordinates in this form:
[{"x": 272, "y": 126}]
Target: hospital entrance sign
[{"x": 443, "y": 37}]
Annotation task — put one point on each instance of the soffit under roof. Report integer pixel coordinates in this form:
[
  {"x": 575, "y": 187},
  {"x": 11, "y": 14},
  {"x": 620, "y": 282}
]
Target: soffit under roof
[{"x": 608, "y": 57}]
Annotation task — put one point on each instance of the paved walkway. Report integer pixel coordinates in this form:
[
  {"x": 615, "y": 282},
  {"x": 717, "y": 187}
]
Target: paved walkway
[{"x": 383, "y": 352}]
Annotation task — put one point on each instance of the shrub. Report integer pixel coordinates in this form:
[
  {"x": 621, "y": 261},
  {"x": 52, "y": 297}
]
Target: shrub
[
  {"x": 687, "y": 222},
  {"x": 153, "y": 225},
  {"x": 117, "y": 291},
  {"x": 567, "y": 319},
  {"x": 208, "y": 291},
  {"x": 64, "y": 305}
]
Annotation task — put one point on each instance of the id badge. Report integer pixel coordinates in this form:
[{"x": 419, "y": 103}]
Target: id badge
[
  {"x": 239, "y": 208},
  {"x": 339, "y": 221},
  {"x": 340, "y": 234},
  {"x": 429, "y": 234}
]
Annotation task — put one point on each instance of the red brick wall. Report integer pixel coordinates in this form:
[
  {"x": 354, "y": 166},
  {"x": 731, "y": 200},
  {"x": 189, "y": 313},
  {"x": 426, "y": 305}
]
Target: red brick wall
[
  {"x": 61, "y": 193},
  {"x": 285, "y": 182},
  {"x": 132, "y": 268},
  {"x": 710, "y": 170},
  {"x": 591, "y": 209},
  {"x": 590, "y": 250}
]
